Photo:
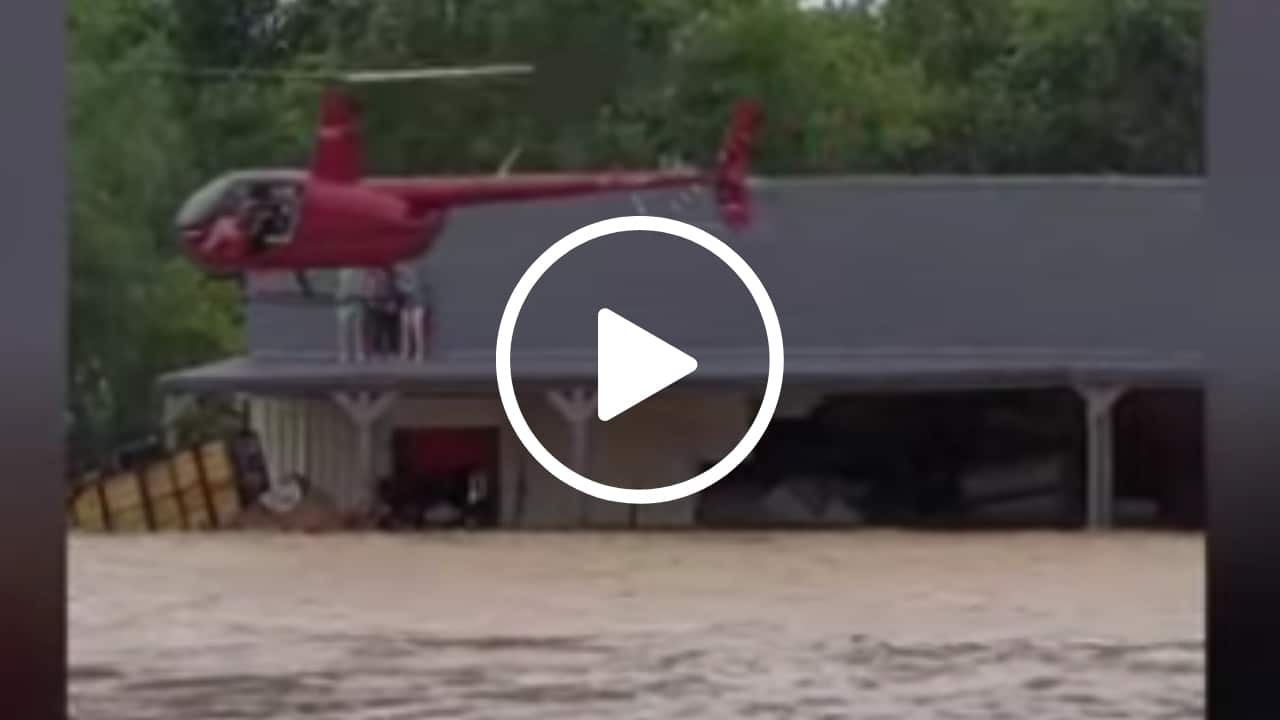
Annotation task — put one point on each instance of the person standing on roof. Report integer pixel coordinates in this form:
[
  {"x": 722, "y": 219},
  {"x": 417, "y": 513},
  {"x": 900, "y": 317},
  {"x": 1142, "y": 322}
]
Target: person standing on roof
[
  {"x": 350, "y": 310},
  {"x": 413, "y": 312},
  {"x": 382, "y": 309}
]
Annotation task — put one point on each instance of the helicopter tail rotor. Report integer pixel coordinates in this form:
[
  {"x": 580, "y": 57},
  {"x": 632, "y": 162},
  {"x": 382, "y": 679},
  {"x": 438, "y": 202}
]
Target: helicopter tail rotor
[
  {"x": 733, "y": 163},
  {"x": 336, "y": 157}
]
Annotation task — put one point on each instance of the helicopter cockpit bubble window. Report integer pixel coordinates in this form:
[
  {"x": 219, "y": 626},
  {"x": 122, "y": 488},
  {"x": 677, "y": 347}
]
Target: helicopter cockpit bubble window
[
  {"x": 226, "y": 195},
  {"x": 207, "y": 202}
]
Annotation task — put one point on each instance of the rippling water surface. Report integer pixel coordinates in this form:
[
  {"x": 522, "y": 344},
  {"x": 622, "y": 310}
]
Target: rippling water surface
[{"x": 801, "y": 625}]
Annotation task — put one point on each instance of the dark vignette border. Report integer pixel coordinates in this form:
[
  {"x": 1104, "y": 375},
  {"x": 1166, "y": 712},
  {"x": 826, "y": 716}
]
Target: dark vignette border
[
  {"x": 1242, "y": 335},
  {"x": 1242, "y": 338},
  {"x": 33, "y": 291},
  {"x": 1241, "y": 331}
]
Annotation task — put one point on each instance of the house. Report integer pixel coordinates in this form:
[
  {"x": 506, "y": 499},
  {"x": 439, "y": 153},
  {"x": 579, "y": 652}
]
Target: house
[{"x": 882, "y": 285}]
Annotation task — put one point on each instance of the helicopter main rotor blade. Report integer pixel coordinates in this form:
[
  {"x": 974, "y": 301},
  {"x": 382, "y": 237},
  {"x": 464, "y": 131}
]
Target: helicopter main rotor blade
[
  {"x": 509, "y": 161},
  {"x": 350, "y": 77},
  {"x": 377, "y": 76}
]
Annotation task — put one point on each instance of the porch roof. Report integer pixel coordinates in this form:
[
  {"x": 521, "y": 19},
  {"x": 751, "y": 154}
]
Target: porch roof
[{"x": 877, "y": 369}]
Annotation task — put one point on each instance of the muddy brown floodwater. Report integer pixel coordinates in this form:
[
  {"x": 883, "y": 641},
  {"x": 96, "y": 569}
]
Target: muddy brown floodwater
[{"x": 771, "y": 625}]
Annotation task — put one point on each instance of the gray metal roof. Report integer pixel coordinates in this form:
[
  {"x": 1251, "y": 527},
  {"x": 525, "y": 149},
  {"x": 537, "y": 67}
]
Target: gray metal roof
[{"x": 871, "y": 369}]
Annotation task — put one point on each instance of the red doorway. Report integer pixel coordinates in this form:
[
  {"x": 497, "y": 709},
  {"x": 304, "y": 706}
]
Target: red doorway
[
  {"x": 442, "y": 451},
  {"x": 448, "y": 455}
]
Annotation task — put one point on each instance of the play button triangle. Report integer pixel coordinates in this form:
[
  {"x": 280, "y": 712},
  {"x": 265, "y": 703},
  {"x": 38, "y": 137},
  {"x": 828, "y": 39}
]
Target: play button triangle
[{"x": 632, "y": 364}]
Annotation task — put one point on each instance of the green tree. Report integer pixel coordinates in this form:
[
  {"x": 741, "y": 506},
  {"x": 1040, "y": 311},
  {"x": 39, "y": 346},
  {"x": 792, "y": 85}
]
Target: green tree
[
  {"x": 834, "y": 98},
  {"x": 962, "y": 48},
  {"x": 1040, "y": 86},
  {"x": 136, "y": 308},
  {"x": 1107, "y": 86}
]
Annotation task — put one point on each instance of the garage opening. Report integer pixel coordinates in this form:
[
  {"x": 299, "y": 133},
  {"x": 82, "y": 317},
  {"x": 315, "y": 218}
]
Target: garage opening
[
  {"x": 442, "y": 477},
  {"x": 965, "y": 459}
]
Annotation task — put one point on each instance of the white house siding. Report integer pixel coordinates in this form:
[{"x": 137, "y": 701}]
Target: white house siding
[
  {"x": 281, "y": 426},
  {"x": 334, "y": 457},
  {"x": 313, "y": 437}
]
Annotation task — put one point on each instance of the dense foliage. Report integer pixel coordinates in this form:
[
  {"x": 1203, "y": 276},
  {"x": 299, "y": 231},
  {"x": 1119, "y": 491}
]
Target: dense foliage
[{"x": 957, "y": 86}]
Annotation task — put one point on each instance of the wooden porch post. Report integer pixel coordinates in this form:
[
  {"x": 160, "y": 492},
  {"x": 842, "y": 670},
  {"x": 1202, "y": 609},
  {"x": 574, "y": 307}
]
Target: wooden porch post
[
  {"x": 1100, "y": 401},
  {"x": 576, "y": 407},
  {"x": 365, "y": 410}
]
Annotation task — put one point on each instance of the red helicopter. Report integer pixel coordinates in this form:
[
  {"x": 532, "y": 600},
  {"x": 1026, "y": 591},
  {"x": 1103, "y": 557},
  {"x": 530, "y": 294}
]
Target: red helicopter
[{"x": 330, "y": 215}]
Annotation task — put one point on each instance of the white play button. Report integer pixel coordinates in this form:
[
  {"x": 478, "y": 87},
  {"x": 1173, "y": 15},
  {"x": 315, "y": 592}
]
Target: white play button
[{"x": 632, "y": 364}]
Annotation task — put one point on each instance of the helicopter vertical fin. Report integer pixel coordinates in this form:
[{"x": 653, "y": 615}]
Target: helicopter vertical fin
[
  {"x": 732, "y": 164},
  {"x": 336, "y": 157}
]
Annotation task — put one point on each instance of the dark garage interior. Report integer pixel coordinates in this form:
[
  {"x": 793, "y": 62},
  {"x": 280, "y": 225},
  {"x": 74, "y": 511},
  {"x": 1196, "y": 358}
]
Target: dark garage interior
[{"x": 966, "y": 460}]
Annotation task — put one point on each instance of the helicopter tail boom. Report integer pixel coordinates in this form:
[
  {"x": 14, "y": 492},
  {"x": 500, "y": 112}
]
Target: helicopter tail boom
[{"x": 728, "y": 179}]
